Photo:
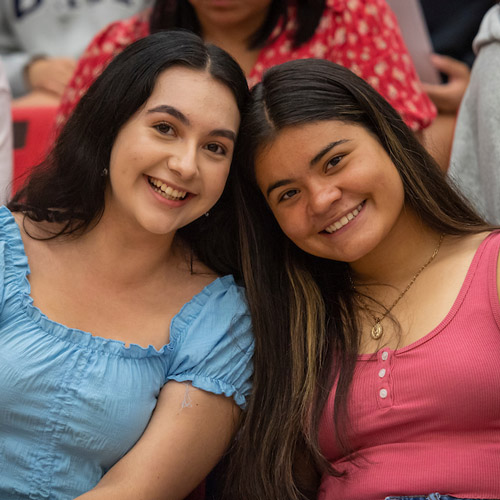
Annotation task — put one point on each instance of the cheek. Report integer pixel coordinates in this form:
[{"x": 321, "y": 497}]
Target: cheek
[
  {"x": 393, "y": 187},
  {"x": 293, "y": 224},
  {"x": 217, "y": 182}
]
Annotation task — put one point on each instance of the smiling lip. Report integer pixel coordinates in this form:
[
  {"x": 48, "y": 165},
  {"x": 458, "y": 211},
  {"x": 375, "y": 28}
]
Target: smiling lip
[
  {"x": 165, "y": 190},
  {"x": 344, "y": 220}
]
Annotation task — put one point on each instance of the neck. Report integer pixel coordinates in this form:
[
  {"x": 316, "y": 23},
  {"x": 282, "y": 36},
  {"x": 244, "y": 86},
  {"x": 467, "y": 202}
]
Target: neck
[
  {"x": 127, "y": 257},
  {"x": 234, "y": 37},
  {"x": 399, "y": 256}
]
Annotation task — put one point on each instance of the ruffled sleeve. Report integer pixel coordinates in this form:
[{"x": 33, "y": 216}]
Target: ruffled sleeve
[
  {"x": 13, "y": 262},
  {"x": 212, "y": 342}
]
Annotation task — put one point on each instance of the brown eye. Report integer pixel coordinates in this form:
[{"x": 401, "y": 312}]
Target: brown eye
[
  {"x": 333, "y": 162},
  {"x": 164, "y": 128},
  {"x": 215, "y": 148},
  {"x": 288, "y": 194}
]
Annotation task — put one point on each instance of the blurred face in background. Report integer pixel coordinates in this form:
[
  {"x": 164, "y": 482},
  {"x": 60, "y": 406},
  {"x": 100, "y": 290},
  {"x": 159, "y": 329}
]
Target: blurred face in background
[{"x": 231, "y": 13}]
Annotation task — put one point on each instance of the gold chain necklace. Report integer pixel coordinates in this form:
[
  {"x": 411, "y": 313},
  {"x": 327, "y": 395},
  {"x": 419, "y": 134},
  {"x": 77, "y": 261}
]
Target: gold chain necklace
[{"x": 377, "y": 331}]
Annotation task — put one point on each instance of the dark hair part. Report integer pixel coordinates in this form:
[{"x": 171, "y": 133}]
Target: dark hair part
[
  {"x": 169, "y": 14},
  {"x": 302, "y": 306},
  {"x": 68, "y": 186}
]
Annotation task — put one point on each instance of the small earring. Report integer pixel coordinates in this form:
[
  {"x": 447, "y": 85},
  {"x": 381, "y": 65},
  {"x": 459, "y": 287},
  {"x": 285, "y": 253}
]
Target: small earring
[
  {"x": 104, "y": 172},
  {"x": 207, "y": 214}
]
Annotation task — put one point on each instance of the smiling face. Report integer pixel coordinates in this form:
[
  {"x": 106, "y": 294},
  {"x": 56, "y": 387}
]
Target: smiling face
[
  {"x": 171, "y": 159},
  {"x": 332, "y": 188}
]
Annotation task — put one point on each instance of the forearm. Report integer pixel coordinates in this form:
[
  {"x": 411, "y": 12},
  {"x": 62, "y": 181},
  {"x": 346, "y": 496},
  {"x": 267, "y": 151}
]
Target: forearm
[
  {"x": 438, "y": 138},
  {"x": 178, "y": 449}
]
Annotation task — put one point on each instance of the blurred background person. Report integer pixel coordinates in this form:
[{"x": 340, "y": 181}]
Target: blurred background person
[
  {"x": 40, "y": 40},
  {"x": 362, "y": 35},
  {"x": 452, "y": 32},
  {"x": 475, "y": 158}
]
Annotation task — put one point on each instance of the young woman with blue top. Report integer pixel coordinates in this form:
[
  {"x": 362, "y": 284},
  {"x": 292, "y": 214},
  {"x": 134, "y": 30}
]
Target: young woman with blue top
[{"x": 118, "y": 294}]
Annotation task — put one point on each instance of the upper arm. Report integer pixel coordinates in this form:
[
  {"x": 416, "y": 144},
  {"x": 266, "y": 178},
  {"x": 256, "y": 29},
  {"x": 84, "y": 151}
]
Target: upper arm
[{"x": 187, "y": 435}]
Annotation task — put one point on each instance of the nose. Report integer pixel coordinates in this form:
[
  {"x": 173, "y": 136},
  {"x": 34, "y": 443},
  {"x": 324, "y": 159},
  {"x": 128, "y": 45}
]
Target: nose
[
  {"x": 183, "y": 162},
  {"x": 322, "y": 196}
]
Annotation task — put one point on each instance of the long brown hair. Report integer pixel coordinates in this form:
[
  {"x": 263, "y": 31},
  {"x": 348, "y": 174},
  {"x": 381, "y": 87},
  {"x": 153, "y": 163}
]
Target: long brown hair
[
  {"x": 302, "y": 306},
  {"x": 68, "y": 186}
]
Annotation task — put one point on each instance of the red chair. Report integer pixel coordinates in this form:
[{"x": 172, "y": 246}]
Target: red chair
[{"x": 34, "y": 132}]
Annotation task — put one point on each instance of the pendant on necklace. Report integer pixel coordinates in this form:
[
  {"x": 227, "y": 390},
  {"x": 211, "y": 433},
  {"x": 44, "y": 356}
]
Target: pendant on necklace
[{"x": 377, "y": 331}]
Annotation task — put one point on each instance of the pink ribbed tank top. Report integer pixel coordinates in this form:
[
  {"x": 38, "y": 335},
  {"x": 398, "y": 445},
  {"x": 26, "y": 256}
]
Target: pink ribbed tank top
[{"x": 426, "y": 418}]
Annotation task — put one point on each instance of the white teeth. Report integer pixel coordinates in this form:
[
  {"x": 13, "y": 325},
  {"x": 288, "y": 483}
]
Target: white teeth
[
  {"x": 344, "y": 220},
  {"x": 166, "y": 191}
]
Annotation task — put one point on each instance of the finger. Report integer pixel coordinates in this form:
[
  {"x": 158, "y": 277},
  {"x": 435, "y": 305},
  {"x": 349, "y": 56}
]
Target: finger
[
  {"x": 450, "y": 66},
  {"x": 435, "y": 91},
  {"x": 446, "y": 97}
]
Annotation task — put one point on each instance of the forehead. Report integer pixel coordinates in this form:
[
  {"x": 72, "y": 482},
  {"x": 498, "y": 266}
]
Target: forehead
[{"x": 196, "y": 92}]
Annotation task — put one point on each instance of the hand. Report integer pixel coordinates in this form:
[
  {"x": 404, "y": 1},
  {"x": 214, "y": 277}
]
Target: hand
[
  {"x": 50, "y": 74},
  {"x": 447, "y": 96}
]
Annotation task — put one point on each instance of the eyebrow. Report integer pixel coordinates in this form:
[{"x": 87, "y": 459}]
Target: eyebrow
[
  {"x": 222, "y": 132},
  {"x": 325, "y": 150},
  {"x": 314, "y": 161},
  {"x": 170, "y": 110}
]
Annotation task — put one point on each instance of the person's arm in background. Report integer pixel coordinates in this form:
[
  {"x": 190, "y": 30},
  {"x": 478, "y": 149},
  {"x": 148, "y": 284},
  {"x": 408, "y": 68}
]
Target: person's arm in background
[
  {"x": 438, "y": 138},
  {"x": 448, "y": 96},
  {"x": 47, "y": 76},
  {"x": 5, "y": 138},
  {"x": 452, "y": 32}
]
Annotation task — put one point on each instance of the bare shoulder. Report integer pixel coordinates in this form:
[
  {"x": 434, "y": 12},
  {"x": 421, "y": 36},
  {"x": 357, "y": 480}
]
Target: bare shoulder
[
  {"x": 465, "y": 245},
  {"x": 456, "y": 256}
]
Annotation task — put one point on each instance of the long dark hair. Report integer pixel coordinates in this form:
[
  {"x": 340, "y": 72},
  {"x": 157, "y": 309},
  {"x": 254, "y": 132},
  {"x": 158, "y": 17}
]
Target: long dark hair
[
  {"x": 68, "y": 187},
  {"x": 169, "y": 14},
  {"x": 303, "y": 310}
]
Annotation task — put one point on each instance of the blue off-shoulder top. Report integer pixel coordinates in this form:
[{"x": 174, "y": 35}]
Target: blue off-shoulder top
[{"x": 72, "y": 404}]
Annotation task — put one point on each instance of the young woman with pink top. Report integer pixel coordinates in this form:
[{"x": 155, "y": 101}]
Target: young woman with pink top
[{"x": 374, "y": 293}]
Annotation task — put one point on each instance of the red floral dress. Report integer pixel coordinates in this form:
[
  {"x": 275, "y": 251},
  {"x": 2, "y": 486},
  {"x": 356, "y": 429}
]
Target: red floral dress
[{"x": 362, "y": 35}]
